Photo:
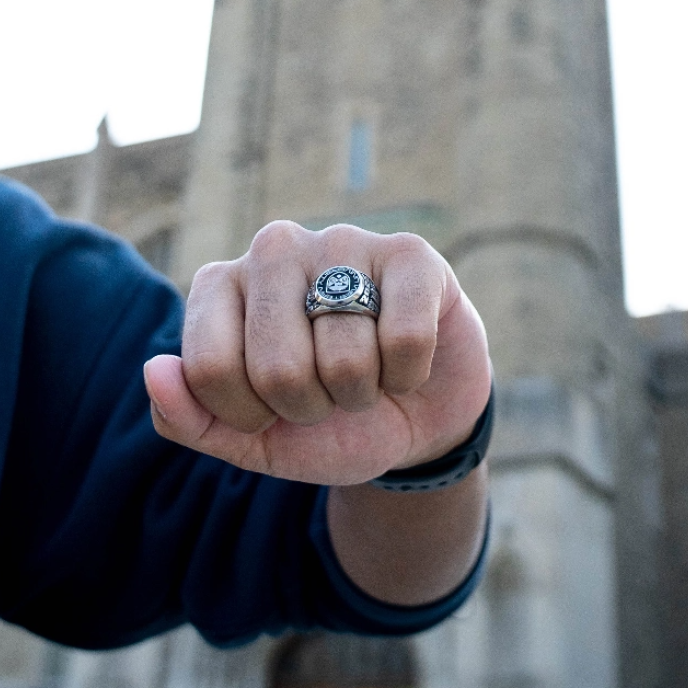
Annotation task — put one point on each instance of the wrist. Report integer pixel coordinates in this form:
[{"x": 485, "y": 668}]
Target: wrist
[{"x": 448, "y": 469}]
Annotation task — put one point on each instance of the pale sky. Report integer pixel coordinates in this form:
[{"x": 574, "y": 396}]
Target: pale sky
[{"x": 65, "y": 63}]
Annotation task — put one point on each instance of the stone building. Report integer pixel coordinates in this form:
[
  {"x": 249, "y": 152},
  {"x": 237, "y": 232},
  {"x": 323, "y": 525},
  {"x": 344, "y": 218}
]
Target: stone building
[
  {"x": 665, "y": 340},
  {"x": 486, "y": 127}
]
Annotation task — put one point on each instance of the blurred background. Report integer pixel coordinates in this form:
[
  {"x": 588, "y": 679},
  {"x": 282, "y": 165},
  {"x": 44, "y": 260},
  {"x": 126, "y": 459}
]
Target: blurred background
[
  {"x": 65, "y": 65},
  {"x": 493, "y": 128}
]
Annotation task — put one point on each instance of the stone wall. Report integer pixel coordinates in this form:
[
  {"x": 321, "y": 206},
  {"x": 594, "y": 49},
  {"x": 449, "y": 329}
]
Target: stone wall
[{"x": 666, "y": 340}]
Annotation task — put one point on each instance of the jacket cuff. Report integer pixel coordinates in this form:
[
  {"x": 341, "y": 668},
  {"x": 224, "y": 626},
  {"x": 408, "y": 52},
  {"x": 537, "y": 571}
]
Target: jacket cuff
[{"x": 372, "y": 616}]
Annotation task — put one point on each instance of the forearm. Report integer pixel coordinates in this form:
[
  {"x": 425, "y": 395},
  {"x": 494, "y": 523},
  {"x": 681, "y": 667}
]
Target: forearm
[{"x": 409, "y": 549}]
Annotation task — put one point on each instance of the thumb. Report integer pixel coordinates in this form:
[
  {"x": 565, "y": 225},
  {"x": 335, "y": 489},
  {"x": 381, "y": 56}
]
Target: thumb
[{"x": 176, "y": 413}]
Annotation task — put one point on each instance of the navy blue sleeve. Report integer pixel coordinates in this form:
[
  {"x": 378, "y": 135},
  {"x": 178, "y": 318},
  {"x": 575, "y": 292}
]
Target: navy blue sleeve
[{"x": 110, "y": 534}]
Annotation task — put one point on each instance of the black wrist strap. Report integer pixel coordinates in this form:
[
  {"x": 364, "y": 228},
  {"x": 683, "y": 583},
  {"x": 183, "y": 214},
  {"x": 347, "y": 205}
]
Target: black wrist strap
[{"x": 449, "y": 469}]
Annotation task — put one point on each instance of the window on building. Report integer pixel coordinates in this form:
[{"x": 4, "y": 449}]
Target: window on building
[
  {"x": 521, "y": 25},
  {"x": 360, "y": 155}
]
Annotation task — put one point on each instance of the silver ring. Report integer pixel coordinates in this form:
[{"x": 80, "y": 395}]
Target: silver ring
[{"x": 342, "y": 289}]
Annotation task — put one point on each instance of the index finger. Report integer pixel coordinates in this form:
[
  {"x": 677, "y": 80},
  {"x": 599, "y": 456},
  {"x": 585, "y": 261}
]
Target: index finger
[{"x": 213, "y": 350}]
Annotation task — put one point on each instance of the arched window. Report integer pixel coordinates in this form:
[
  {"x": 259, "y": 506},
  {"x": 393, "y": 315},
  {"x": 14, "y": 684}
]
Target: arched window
[{"x": 328, "y": 660}]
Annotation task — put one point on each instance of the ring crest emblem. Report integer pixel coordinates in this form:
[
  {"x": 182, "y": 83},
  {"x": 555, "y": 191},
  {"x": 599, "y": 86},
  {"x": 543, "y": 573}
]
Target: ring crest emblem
[{"x": 338, "y": 283}]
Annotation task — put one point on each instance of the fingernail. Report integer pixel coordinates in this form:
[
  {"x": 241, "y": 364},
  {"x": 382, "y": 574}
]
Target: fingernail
[
  {"x": 156, "y": 410},
  {"x": 155, "y": 404}
]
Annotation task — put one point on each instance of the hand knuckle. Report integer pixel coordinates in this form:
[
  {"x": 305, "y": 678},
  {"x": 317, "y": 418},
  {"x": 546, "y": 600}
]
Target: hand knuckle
[
  {"x": 342, "y": 232},
  {"x": 276, "y": 237},
  {"x": 410, "y": 343},
  {"x": 210, "y": 272},
  {"x": 206, "y": 370},
  {"x": 276, "y": 378},
  {"x": 406, "y": 242},
  {"x": 344, "y": 370}
]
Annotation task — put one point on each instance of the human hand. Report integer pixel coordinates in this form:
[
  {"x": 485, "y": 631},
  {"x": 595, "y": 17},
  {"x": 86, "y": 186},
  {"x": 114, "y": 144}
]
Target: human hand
[{"x": 338, "y": 400}]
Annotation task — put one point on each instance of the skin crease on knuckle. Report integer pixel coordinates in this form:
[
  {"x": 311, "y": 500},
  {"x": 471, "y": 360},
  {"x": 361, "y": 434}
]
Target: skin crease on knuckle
[
  {"x": 208, "y": 372},
  {"x": 289, "y": 389},
  {"x": 348, "y": 368},
  {"x": 406, "y": 365},
  {"x": 352, "y": 384},
  {"x": 350, "y": 372}
]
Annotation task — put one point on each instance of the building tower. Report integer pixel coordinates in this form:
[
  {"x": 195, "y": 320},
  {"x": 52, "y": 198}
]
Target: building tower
[{"x": 485, "y": 126}]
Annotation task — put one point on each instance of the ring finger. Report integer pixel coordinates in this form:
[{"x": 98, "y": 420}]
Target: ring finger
[
  {"x": 346, "y": 347},
  {"x": 348, "y": 359}
]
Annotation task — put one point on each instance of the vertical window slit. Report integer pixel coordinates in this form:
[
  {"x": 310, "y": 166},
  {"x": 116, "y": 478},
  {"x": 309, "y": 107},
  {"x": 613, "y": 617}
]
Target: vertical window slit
[{"x": 359, "y": 156}]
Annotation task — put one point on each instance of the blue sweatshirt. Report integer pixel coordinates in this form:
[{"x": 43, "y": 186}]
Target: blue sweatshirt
[{"x": 110, "y": 534}]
